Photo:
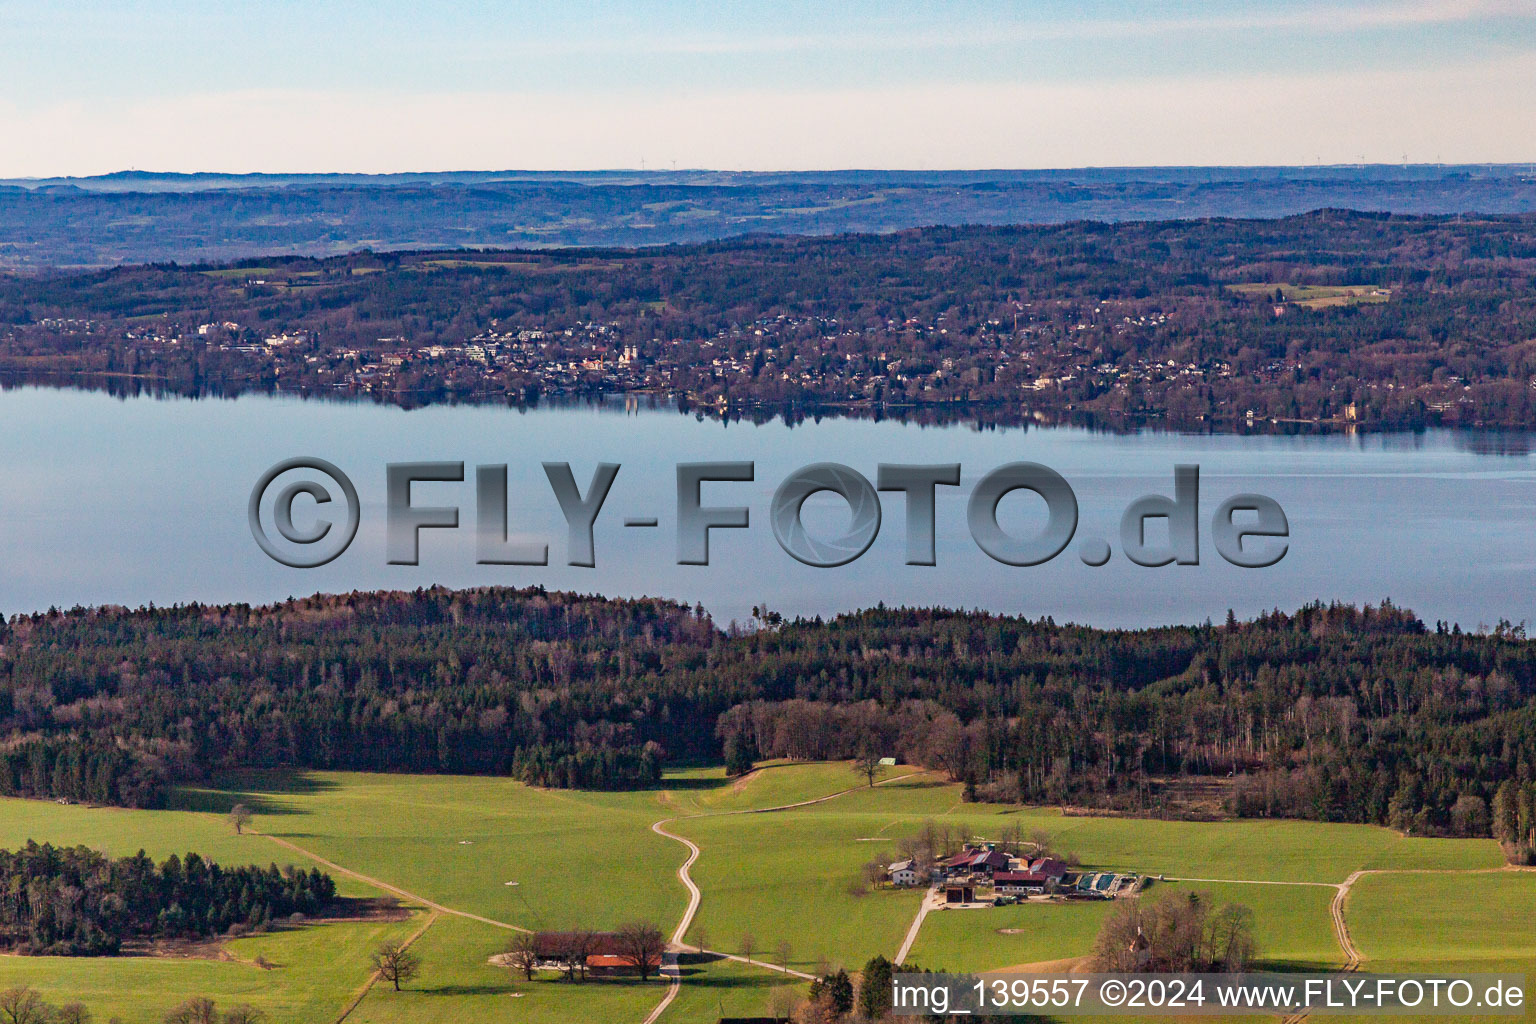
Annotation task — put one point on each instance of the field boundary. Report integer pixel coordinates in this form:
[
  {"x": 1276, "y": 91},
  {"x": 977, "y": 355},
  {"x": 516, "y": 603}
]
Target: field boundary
[
  {"x": 929, "y": 896},
  {"x": 381, "y": 884},
  {"x": 1341, "y": 925},
  {"x": 373, "y": 979}
]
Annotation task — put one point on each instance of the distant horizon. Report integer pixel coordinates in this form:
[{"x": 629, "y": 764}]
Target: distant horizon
[
  {"x": 1518, "y": 166},
  {"x": 146, "y": 216}
]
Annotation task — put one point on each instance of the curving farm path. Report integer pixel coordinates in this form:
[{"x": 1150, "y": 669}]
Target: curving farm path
[
  {"x": 676, "y": 946},
  {"x": 1341, "y": 932},
  {"x": 670, "y": 968},
  {"x": 1341, "y": 926}
]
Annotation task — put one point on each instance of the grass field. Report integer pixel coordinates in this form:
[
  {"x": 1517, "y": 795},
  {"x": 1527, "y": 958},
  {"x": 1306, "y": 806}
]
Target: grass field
[
  {"x": 240, "y": 273},
  {"x": 1293, "y": 921},
  {"x": 459, "y": 984},
  {"x": 455, "y": 264},
  {"x": 775, "y": 784},
  {"x": 317, "y": 969},
  {"x": 989, "y": 940},
  {"x": 1317, "y": 296},
  {"x": 460, "y": 840},
  {"x": 121, "y": 832},
  {"x": 771, "y": 875},
  {"x": 1428, "y": 917},
  {"x": 591, "y": 859},
  {"x": 1433, "y": 924}
]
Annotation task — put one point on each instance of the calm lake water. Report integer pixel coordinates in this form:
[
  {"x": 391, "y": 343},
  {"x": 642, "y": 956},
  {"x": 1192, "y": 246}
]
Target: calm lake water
[{"x": 128, "y": 501}]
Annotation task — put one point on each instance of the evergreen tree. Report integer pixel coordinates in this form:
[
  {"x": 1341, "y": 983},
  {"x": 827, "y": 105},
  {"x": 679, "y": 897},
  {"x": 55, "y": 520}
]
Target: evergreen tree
[{"x": 875, "y": 988}]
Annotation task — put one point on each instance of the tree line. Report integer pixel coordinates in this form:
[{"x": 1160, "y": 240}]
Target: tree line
[
  {"x": 75, "y": 901},
  {"x": 1330, "y": 712}
]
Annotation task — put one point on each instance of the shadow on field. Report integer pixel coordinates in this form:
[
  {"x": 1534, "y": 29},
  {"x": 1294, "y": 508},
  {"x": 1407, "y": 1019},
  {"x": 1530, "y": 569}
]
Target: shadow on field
[
  {"x": 689, "y": 785},
  {"x": 465, "y": 990},
  {"x": 691, "y": 967},
  {"x": 1293, "y": 966},
  {"x": 694, "y": 959},
  {"x": 257, "y": 790}
]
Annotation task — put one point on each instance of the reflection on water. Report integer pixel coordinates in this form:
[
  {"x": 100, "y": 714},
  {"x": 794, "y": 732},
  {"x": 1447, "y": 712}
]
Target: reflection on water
[{"x": 1493, "y": 442}]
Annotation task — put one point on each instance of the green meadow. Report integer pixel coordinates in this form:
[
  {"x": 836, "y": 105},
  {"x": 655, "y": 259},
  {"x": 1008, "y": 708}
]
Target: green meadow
[
  {"x": 461, "y": 840},
  {"x": 1428, "y": 923},
  {"x": 1317, "y": 296},
  {"x": 122, "y": 832},
  {"x": 774, "y": 784},
  {"x": 309, "y": 974},
  {"x": 782, "y": 877},
  {"x": 1292, "y": 920},
  {"x": 1003, "y": 937},
  {"x": 1463, "y": 919},
  {"x": 771, "y": 874},
  {"x": 458, "y": 983}
]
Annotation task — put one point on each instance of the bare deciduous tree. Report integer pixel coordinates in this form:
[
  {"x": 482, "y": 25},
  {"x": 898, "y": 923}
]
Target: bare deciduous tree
[
  {"x": 1013, "y": 839},
  {"x": 782, "y": 1003},
  {"x": 523, "y": 954},
  {"x": 198, "y": 1010},
  {"x": 869, "y": 766},
  {"x": 1042, "y": 841},
  {"x": 641, "y": 946},
  {"x": 24, "y": 1005},
  {"x": 396, "y": 964},
  {"x": 239, "y": 816},
  {"x": 587, "y": 943},
  {"x": 1179, "y": 932}
]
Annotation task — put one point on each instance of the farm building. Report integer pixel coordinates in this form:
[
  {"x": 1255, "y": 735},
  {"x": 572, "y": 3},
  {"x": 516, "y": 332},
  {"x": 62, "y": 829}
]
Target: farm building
[
  {"x": 973, "y": 860},
  {"x": 1054, "y": 870},
  {"x": 904, "y": 872},
  {"x": 605, "y": 965},
  {"x": 959, "y": 864},
  {"x": 990, "y": 863},
  {"x": 1021, "y": 882},
  {"x": 604, "y": 952}
]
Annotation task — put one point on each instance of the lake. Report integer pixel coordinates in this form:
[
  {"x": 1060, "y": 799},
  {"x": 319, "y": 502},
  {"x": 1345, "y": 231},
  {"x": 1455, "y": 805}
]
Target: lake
[{"x": 129, "y": 501}]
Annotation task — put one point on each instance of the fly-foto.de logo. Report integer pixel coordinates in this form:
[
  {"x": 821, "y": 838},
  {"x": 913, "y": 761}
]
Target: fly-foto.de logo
[{"x": 305, "y": 512}]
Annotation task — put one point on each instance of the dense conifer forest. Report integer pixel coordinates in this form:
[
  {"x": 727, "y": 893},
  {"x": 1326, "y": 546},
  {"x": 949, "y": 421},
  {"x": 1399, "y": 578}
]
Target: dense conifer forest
[
  {"x": 74, "y": 901},
  {"x": 1330, "y": 712}
]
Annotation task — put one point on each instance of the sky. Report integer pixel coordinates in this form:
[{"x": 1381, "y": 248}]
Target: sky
[{"x": 384, "y": 85}]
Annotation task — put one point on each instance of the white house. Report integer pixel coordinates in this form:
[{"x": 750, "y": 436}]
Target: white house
[{"x": 903, "y": 872}]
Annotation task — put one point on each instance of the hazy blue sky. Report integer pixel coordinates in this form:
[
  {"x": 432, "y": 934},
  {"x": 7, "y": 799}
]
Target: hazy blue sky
[{"x": 386, "y": 85}]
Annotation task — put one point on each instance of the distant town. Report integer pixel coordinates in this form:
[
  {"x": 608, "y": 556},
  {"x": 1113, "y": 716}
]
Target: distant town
[{"x": 1208, "y": 322}]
